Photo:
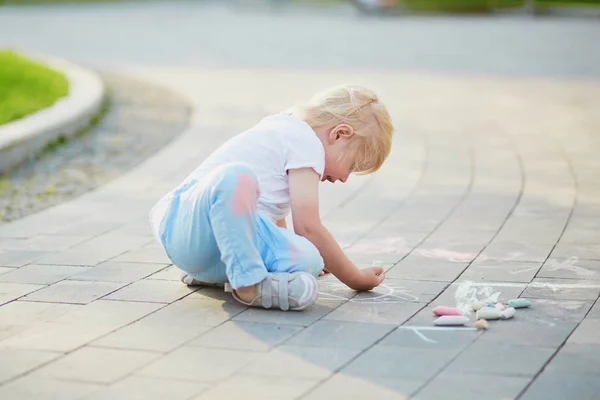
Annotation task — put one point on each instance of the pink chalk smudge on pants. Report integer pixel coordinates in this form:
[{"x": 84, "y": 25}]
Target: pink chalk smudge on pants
[{"x": 245, "y": 197}]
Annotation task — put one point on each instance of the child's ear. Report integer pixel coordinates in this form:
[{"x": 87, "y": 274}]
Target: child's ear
[{"x": 343, "y": 131}]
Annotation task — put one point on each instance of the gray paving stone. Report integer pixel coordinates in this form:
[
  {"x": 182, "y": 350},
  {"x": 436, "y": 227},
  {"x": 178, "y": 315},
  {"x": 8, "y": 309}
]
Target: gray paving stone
[
  {"x": 501, "y": 358},
  {"x": 117, "y": 272},
  {"x": 152, "y": 291},
  {"x": 4, "y": 270},
  {"x": 401, "y": 291},
  {"x": 146, "y": 254},
  {"x": 317, "y": 311},
  {"x": 248, "y": 336},
  {"x": 18, "y": 258},
  {"x": 358, "y": 387},
  {"x": 516, "y": 251},
  {"x": 141, "y": 388},
  {"x": 413, "y": 337},
  {"x": 472, "y": 387},
  {"x": 558, "y": 385},
  {"x": 301, "y": 362},
  {"x": 502, "y": 271},
  {"x": 199, "y": 364},
  {"x": 28, "y": 388},
  {"x": 11, "y": 291},
  {"x": 82, "y": 326},
  {"x": 393, "y": 313},
  {"x": 96, "y": 365},
  {"x": 255, "y": 387},
  {"x": 339, "y": 334},
  {"x": 45, "y": 243},
  {"x": 40, "y": 274},
  {"x": 171, "y": 273},
  {"x": 74, "y": 292},
  {"x": 81, "y": 257},
  {"x": 399, "y": 362},
  {"x": 562, "y": 289},
  {"x": 15, "y": 362},
  {"x": 415, "y": 267},
  {"x": 571, "y": 268},
  {"x": 586, "y": 332},
  {"x": 586, "y": 251},
  {"x": 577, "y": 358},
  {"x": 26, "y": 313}
]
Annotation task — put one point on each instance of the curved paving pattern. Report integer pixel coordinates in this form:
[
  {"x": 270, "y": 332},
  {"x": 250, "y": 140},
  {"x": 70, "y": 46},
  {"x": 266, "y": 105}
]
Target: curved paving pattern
[{"x": 492, "y": 191}]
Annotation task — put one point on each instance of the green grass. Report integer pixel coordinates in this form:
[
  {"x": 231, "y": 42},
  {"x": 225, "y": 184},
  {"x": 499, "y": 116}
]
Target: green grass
[{"x": 27, "y": 87}]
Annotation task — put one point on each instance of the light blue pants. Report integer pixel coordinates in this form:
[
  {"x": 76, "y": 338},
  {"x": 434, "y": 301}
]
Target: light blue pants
[{"x": 212, "y": 231}]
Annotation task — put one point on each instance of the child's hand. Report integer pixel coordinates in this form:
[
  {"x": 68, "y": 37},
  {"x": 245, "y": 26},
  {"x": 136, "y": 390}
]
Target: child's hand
[{"x": 368, "y": 278}]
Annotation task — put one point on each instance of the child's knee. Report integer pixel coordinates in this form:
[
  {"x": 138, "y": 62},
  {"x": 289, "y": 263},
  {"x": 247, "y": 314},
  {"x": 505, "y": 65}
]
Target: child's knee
[{"x": 311, "y": 260}]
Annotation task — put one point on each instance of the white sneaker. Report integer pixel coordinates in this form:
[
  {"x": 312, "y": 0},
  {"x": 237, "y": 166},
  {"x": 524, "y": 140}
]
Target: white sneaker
[
  {"x": 191, "y": 281},
  {"x": 296, "y": 291}
]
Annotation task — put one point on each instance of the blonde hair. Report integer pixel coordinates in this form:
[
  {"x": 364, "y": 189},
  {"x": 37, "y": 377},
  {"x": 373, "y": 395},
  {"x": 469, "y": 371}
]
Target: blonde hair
[{"x": 360, "y": 108}]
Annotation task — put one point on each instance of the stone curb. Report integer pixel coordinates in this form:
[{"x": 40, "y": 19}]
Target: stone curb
[{"x": 23, "y": 138}]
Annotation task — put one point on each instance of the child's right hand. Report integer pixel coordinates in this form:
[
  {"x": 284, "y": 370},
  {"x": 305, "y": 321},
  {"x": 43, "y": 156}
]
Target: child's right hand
[{"x": 368, "y": 278}]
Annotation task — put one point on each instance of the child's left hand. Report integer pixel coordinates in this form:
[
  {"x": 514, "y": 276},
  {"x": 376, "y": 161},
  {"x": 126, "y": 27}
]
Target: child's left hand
[{"x": 324, "y": 272}]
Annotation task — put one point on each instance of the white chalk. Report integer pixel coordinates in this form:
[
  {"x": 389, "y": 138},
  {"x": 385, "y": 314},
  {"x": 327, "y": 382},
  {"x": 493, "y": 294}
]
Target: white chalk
[
  {"x": 451, "y": 320},
  {"x": 508, "y": 313}
]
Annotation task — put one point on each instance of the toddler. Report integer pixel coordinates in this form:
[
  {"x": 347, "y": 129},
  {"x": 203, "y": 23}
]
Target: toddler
[{"x": 225, "y": 223}]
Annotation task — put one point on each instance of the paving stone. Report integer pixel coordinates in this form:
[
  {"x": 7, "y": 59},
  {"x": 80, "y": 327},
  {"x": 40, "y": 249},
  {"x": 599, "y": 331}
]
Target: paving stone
[
  {"x": 97, "y": 365},
  {"x": 255, "y": 387},
  {"x": 587, "y": 251},
  {"x": 248, "y": 336},
  {"x": 18, "y": 258},
  {"x": 358, "y": 387},
  {"x": 199, "y": 364},
  {"x": 81, "y": 257},
  {"x": 400, "y": 291},
  {"x": 562, "y": 385},
  {"x": 317, "y": 311},
  {"x": 413, "y": 337},
  {"x": 472, "y": 387},
  {"x": 500, "y": 358},
  {"x": 82, "y": 326},
  {"x": 147, "y": 254},
  {"x": 393, "y": 313},
  {"x": 153, "y": 291},
  {"x": 29, "y": 388},
  {"x": 74, "y": 292},
  {"x": 173, "y": 325},
  {"x": 416, "y": 267},
  {"x": 572, "y": 268},
  {"x": 339, "y": 334},
  {"x": 399, "y": 362},
  {"x": 117, "y": 272},
  {"x": 141, "y": 388},
  {"x": 171, "y": 273},
  {"x": 586, "y": 332},
  {"x": 40, "y": 274},
  {"x": 45, "y": 243},
  {"x": 15, "y": 362},
  {"x": 562, "y": 289},
  {"x": 301, "y": 362},
  {"x": 26, "y": 313},
  {"x": 516, "y": 251},
  {"x": 502, "y": 271},
  {"x": 573, "y": 358},
  {"x": 4, "y": 270},
  {"x": 11, "y": 291}
]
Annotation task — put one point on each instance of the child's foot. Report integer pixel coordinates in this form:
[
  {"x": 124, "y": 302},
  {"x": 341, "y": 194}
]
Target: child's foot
[
  {"x": 296, "y": 291},
  {"x": 190, "y": 281}
]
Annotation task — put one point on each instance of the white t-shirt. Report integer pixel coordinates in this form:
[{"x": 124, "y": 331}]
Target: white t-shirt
[{"x": 275, "y": 145}]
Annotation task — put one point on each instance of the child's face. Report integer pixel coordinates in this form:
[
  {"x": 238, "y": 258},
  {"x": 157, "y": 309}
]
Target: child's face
[{"x": 339, "y": 160}]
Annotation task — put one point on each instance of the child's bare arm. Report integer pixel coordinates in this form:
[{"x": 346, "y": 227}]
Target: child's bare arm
[{"x": 304, "y": 199}]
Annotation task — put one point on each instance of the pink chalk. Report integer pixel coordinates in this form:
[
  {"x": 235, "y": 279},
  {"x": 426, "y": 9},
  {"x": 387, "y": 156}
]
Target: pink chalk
[{"x": 441, "y": 310}]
